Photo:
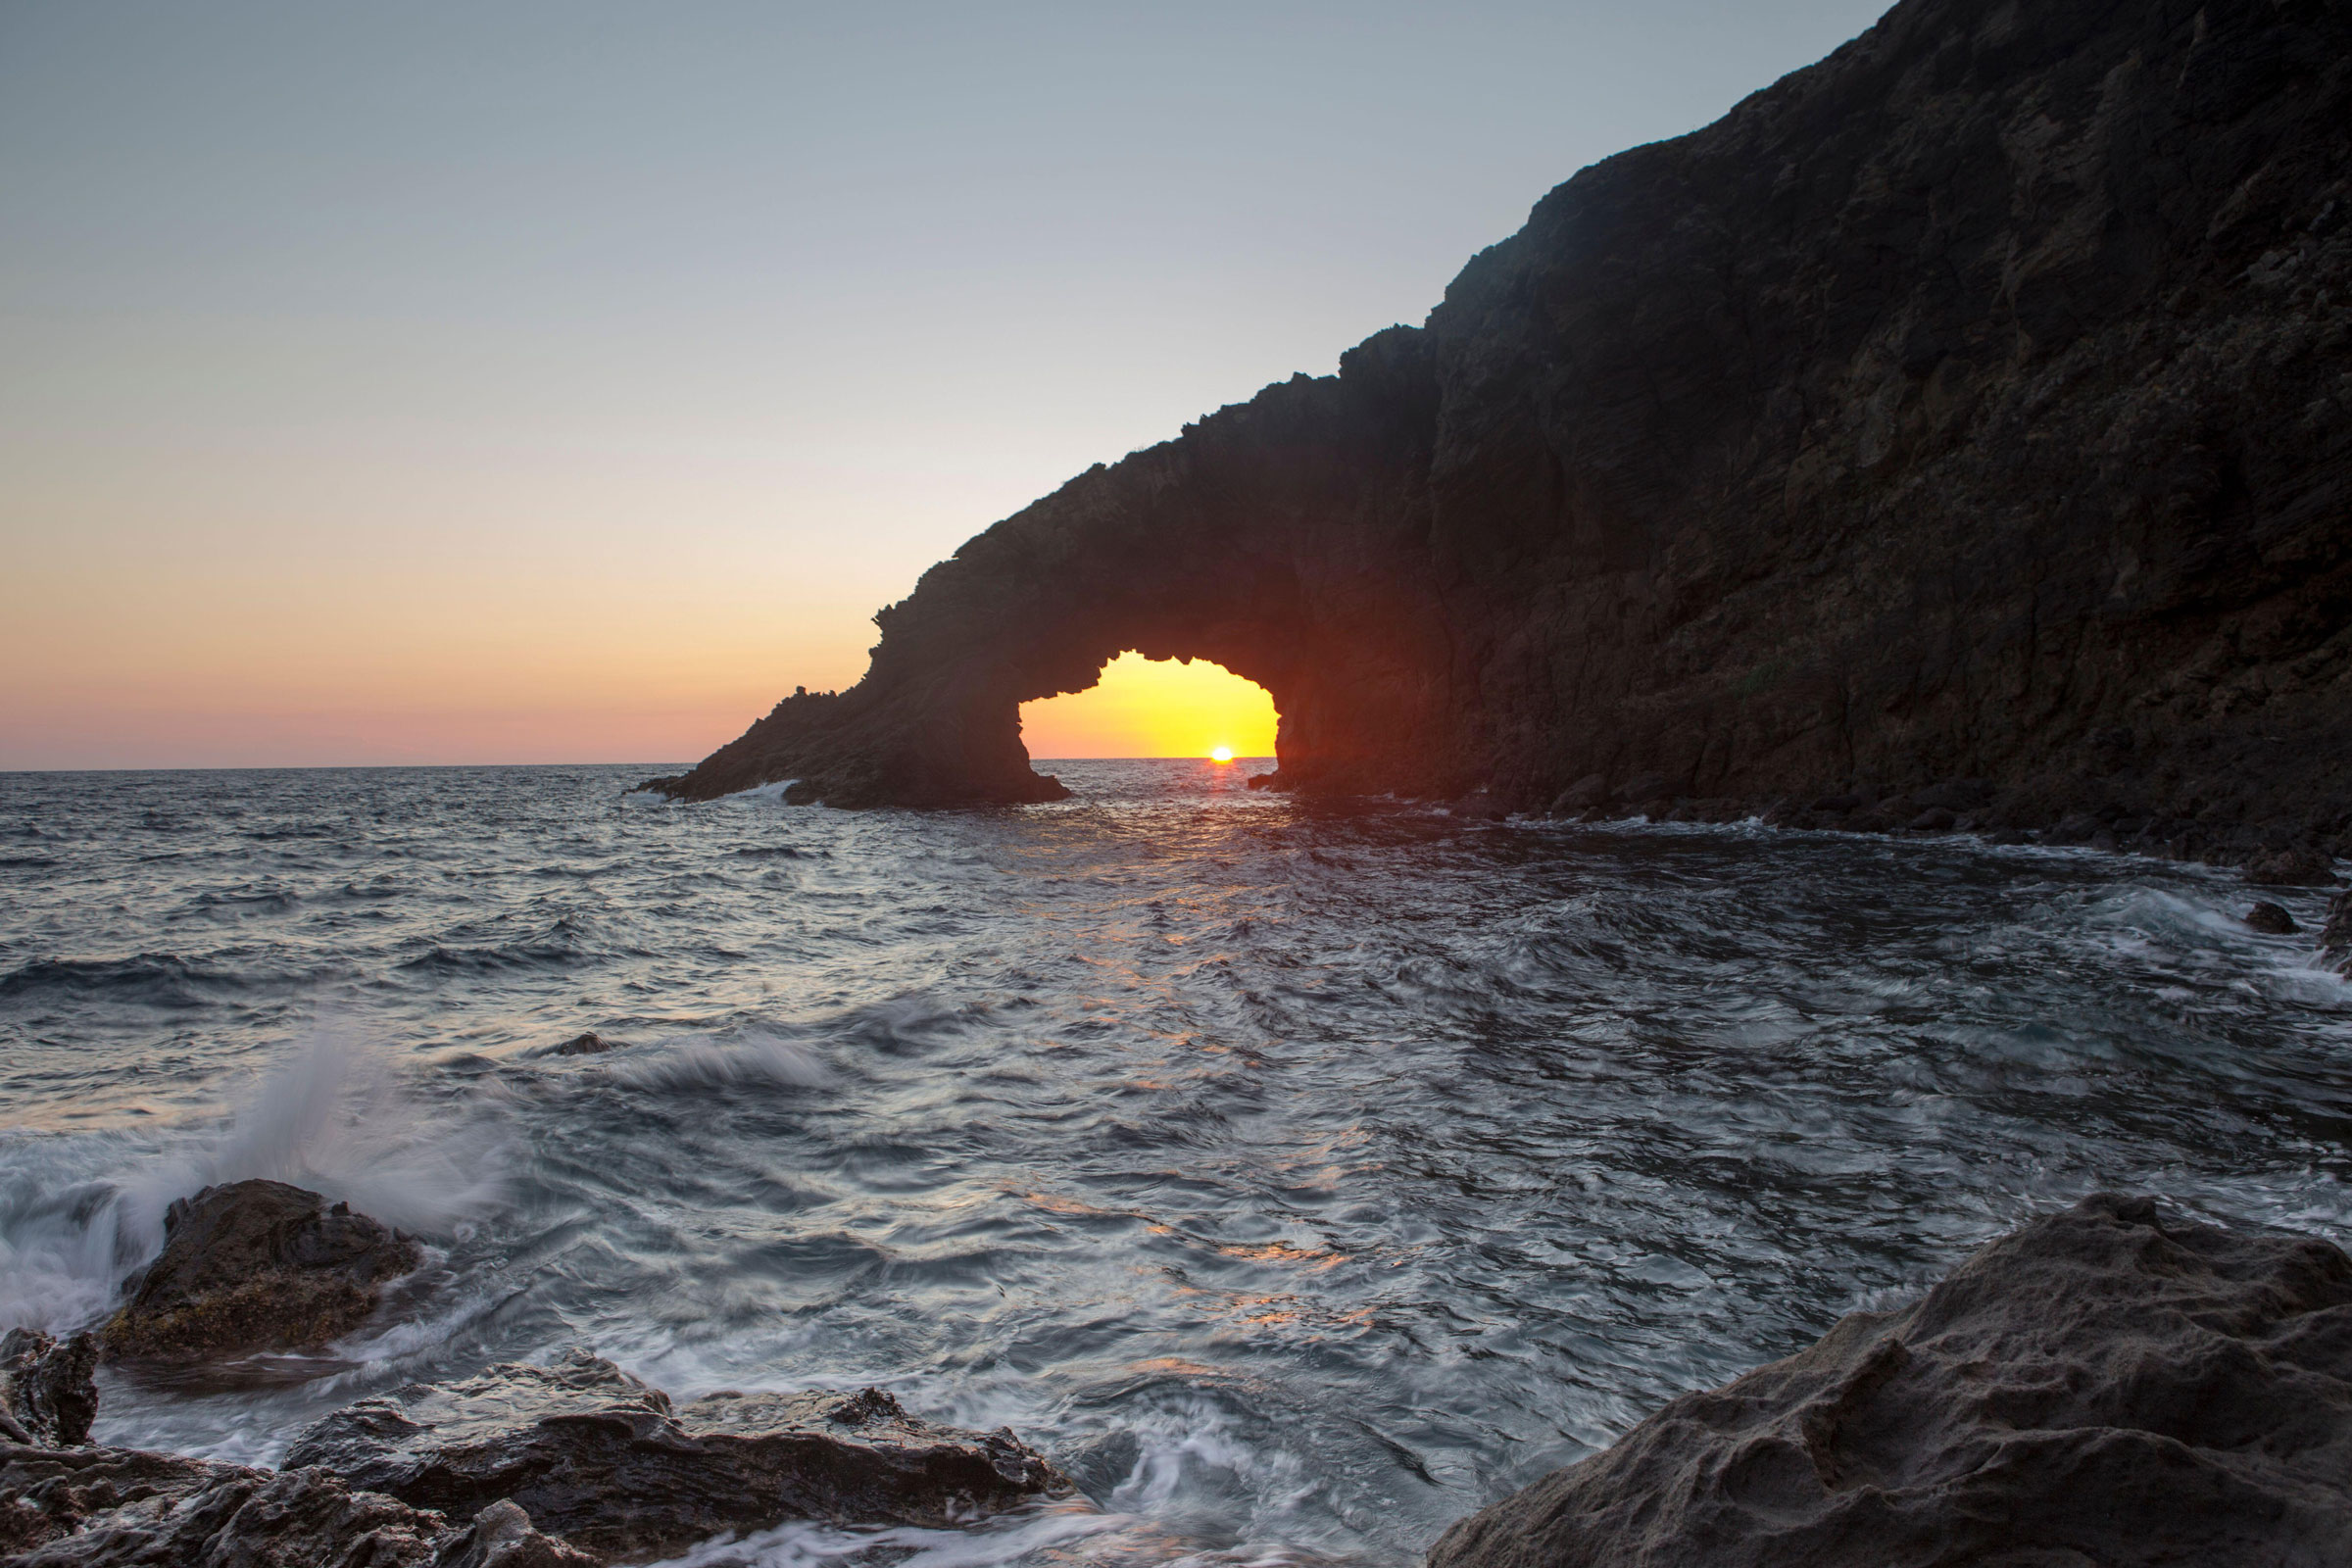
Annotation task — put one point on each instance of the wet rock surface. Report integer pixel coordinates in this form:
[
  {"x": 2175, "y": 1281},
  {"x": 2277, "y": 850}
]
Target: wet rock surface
[
  {"x": 2271, "y": 919},
  {"x": 255, "y": 1266},
  {"x": 605, "y": 1462},
  {"x": 1972, "y": 406},
  {"x": 47, "y": 1396},
  {"x": 98, "y": 1507},
  {"x": 2110, "y": 1385}
]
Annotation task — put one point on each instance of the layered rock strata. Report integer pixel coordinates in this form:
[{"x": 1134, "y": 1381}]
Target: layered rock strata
[
  {"x": 255, "y": 1266},
  {"x": 1974, "y": 405},
  {"x": 605, "y": 1461},
  {"x": 2107, "y": 1386}
]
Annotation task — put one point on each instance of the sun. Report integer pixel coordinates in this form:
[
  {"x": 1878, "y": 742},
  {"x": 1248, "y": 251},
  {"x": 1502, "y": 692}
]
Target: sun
[{"x": 1223, "y": 753}]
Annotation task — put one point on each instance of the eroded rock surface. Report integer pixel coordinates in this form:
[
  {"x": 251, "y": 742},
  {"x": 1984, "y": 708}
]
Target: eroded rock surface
[
  {"x": 47, "y": 1395},
  {"x": 605, "y": 1462},
  {"x": 97, "y": 1507},
  {"x": 255, "y": 1266},
  {"x": 1975, "y": 405},
  {"x": 2108, "y": 1386}
]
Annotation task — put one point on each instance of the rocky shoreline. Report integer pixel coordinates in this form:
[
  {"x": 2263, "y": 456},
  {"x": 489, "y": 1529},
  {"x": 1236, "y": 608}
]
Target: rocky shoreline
[{"x": 2116, "y": 1384}]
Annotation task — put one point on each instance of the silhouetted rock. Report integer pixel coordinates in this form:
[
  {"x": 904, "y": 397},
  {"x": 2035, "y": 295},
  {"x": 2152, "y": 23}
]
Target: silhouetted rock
[
  {"x": 47, "y": 1397},
  {"x": 255, "y": 1266},
  {"x": 1964, "y": 411},
  {"x": 2300, "y": 868},
  {"x": 1586, "y": 792},
  {"x": 2271, "y": 919},
  {"x": 601, "y": 1459},
  {"x": 2107, "y": 1386}
]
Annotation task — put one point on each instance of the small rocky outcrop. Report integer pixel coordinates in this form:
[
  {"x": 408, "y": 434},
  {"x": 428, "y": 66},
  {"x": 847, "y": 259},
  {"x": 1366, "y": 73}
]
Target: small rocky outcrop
[
  {"x": 98, "y": 1507},
  {"x": 2271, "y": 919},
  {"x": 255, "y": 1266},
  {"x": 47, "y": 1397},
  {"x": 2107, "y": 1386},
  {"x": 2298, "y": 867},
  {"x": 605, "y": 1462}
]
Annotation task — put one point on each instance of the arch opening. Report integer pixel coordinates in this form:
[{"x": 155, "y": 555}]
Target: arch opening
[{"x": 1139, "y": 707}]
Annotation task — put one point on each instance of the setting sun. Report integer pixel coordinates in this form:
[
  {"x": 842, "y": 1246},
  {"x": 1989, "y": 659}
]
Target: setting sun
[{"x": 1154, "y": 708}]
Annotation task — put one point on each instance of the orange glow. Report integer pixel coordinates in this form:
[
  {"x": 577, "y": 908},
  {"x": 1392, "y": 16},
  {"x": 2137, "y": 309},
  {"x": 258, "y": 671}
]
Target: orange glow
[{"x": 1154, "y": 708}]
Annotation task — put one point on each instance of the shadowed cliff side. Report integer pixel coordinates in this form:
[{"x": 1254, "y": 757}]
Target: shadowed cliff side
[{"x": 1976, "y": 403}]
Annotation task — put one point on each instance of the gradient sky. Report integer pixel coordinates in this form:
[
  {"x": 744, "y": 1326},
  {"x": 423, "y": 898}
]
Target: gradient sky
[{"x": 519, "y": 382}]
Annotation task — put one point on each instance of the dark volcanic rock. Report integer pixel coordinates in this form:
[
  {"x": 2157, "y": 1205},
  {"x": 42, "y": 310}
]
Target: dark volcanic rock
[
  {"x": 2335, "y": 936},
  {"x": 1972, "y": 406},
  {"x": 128, "y": 1508},
  {"x": 2272, "y": 920},
  {"x": 47, "y": 1397},
  {"x": 255, "y": 1266},
  {"x": 603, "y": 1461},
  {"x": 2291, "y": 869},
  {"x": 590, "y": 1044},
  {"x": 2107, "y": 1386}
]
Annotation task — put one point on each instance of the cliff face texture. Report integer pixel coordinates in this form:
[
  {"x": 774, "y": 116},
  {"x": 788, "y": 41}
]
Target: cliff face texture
[{"x": 1972, "y": 406}]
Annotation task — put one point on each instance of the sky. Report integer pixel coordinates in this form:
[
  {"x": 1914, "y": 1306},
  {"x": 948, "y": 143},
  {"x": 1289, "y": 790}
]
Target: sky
[{"x": 509, "y": 381}]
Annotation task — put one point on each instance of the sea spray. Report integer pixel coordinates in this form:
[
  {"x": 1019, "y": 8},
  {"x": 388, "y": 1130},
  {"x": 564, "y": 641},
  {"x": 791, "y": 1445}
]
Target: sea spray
[{"x": 77, "y": 1213}]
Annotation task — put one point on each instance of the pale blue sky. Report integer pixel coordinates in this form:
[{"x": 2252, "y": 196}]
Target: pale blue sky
[{"x": 536, "y": 380}]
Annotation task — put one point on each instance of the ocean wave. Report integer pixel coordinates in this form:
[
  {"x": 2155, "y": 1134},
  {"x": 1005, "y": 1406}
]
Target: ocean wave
[
  {"x": 743, "y": 1059},
  {"x": 78, "y": 1213},
  {"x": 157, "y": 979}
]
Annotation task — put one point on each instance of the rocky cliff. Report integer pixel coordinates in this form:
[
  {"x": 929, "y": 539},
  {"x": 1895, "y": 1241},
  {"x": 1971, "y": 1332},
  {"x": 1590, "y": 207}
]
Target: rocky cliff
[{"x": 1974, "y": 405}]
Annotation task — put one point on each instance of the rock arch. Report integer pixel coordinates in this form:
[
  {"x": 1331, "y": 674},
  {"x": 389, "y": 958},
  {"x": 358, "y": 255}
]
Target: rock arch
[{"x": 1970, "y": 406}]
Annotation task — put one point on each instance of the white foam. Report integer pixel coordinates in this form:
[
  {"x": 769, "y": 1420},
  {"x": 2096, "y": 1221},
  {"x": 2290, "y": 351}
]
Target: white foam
[
  {"x": 761, "y": 793},
  {"x": 77, "y": 1214},
  {"x": 746, "y": 1059}
]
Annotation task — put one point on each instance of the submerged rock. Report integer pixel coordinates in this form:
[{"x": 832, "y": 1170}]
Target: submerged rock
[
  {"x": 46, "y": 1393},
  {"x": 604, "y": 1460},
  {"x": 2271, "y": 919},
  {"x": 2107, "y": 1386},
  {"x": 255, "y": 1266},
  {"x": 590, "y": 1044},
  {"x": 117, "y": 1507}
]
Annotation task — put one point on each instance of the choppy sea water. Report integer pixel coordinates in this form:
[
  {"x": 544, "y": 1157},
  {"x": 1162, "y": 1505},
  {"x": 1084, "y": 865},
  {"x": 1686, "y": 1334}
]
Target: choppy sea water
[{"x": 1299, "y": 1177}]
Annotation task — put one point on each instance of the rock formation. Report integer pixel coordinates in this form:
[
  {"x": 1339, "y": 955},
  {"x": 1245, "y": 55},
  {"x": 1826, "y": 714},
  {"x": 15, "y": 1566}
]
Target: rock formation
[
  {"x": 47, "y": 1396},
  {"x": 97, "y": 1507},
  {"x": 583, "y": 1449},
  {"x": 255, "y": 1266},
  {"x": 603, "y": 1460},
  {"x": 2104, "y": 1386},
  {"x": 1974, "y": 405}
]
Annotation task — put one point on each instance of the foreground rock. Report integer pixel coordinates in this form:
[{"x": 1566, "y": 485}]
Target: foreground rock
[
  {"x": 2105, "y": 1387},
  {"x": 96, "y": 1507},
  {"x": 1969, "y": 405},
  {"x": 603, "y": 1461},
  {"x": 47, "y": 1396},
  {"x": 255, "y": 1266}
]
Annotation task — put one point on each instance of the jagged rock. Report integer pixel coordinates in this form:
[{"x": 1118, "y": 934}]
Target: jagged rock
[
  {"x": 97, "y": 1507},
  {"x": 2291, "y": 869},
  {"x": 47, "y": 1397},
  {"x": 1586, "y": 792},
  {"x": 2106, "y": 1386},
  {"x": 2335, "y": 936},
  {"x": 2272, "y": 920},
  {"x": 1970, "y": 406},
  {"x": 255, "y": 1266},
  {"x": 603, "y": 1460}
]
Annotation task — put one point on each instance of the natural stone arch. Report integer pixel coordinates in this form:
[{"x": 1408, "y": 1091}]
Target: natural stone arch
[{"x": 1281, "y": 539}]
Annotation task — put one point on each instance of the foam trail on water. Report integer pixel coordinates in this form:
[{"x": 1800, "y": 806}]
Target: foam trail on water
[{"x": 77, "y": 1214}]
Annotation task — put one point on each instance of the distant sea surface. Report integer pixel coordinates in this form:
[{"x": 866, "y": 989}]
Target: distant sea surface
[{"x": 1299, "y": 1177}]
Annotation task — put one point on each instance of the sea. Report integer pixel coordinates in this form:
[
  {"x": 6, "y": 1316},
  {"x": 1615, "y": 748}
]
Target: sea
[{"x": 1299, "y": 1176}]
